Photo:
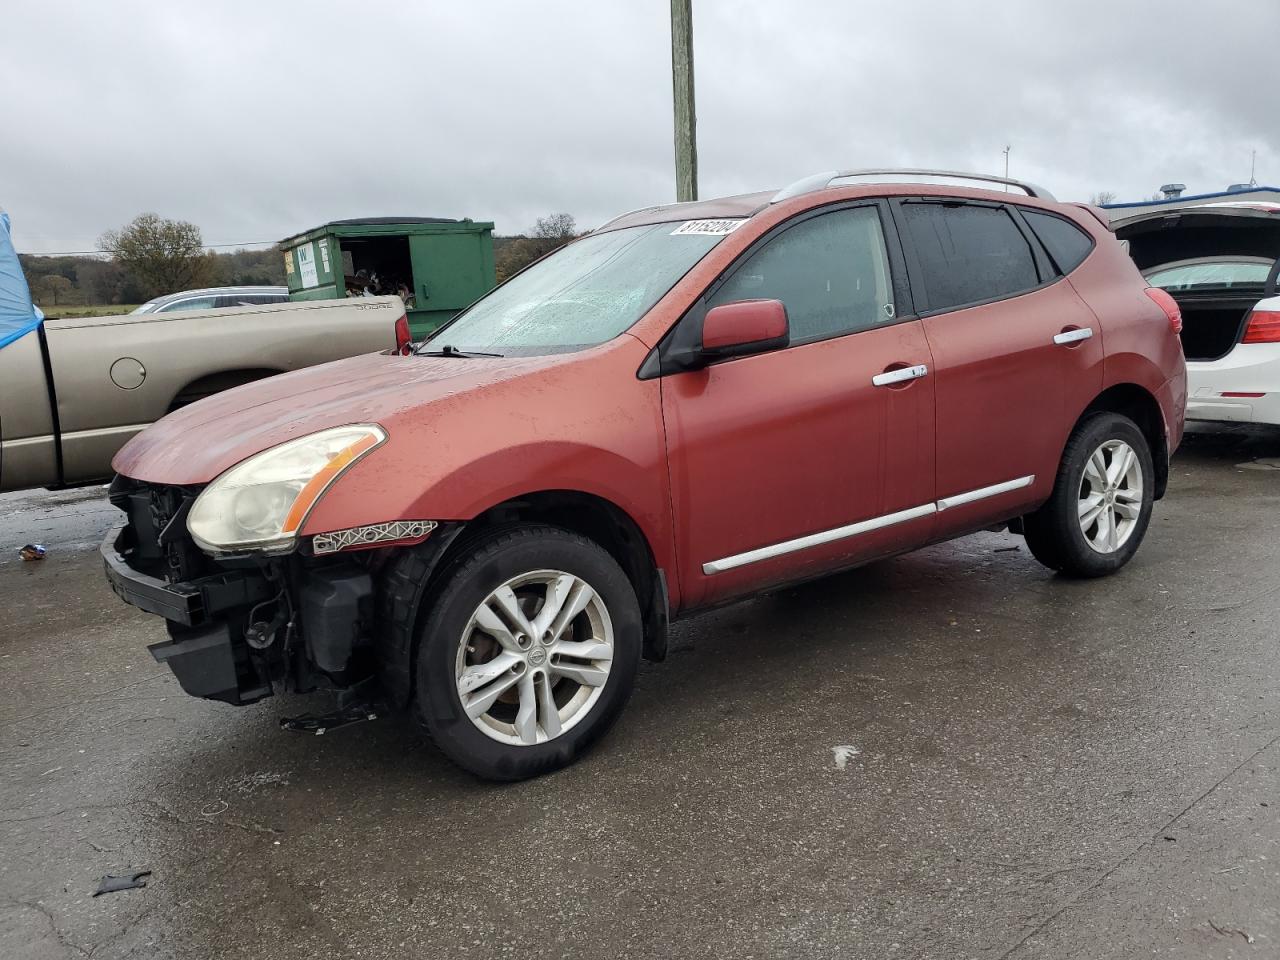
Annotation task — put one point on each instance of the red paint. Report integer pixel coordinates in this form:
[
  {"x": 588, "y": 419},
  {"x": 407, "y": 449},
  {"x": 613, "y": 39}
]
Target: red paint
[
  {"x": 744, "y": 322},
  {"x": 741, "y": 454},
  {"x": 785, "y": 444},
  {"x": 1008, "y": 396},
  {"x": 1169, "y": 306}
]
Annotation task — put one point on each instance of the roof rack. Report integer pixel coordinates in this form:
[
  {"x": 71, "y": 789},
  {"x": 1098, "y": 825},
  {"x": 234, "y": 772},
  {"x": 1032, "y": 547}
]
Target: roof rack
[{"x": 820, "y": 181}]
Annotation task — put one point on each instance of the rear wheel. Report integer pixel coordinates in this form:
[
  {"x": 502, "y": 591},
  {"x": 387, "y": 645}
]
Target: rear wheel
[
  {"x": 1098, "y": 513},
  {"x": 528, "y": 654}
]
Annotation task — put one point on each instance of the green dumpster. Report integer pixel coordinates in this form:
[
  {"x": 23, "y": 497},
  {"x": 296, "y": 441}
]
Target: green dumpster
[{"x": 436, "y": 266}]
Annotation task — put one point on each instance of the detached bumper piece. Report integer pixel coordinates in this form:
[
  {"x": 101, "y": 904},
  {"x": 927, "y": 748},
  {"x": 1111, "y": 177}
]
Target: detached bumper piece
[
  {"x": 205, "y": 651},
  {"x": 240, "y": 628},
  {"x": 204, "y": 661}
]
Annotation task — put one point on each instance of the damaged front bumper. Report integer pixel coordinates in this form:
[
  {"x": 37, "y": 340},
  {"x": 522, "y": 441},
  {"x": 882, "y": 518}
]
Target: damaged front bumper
[
  {"x": 239, "y": 631},
  {"x": 203, "y": 653}
]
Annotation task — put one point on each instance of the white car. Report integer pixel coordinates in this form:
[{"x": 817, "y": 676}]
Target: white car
[
  {"x": 1220, "y": 262},
  {"x": 215, "y": 298}
]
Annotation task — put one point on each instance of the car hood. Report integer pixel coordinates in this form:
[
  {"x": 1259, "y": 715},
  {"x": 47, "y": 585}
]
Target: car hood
[{"x": 199, "y": 442}]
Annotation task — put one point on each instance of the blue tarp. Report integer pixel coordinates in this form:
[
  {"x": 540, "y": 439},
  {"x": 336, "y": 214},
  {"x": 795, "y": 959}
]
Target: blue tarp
[{"x": 18, "y": 315}]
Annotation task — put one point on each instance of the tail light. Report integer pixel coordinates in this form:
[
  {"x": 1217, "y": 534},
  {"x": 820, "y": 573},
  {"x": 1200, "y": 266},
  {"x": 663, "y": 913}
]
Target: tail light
[
  {"x": 1169, "y": 306},
  {"x": 1264, "y": 327},
  {"x": 404, "y": 339}
]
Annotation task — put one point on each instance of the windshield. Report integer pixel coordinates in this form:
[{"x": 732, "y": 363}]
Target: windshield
[
  {"x": 150, "y": 305},
  {"x": 583, "y": 294},
  {"x": 1215, "y": 273}
]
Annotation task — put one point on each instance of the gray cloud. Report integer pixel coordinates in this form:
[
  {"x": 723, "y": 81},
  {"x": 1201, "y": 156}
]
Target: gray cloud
[{"x": 257, "y": 120}]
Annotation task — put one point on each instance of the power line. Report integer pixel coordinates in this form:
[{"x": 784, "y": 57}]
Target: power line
[{"x": 99, "y": 253}]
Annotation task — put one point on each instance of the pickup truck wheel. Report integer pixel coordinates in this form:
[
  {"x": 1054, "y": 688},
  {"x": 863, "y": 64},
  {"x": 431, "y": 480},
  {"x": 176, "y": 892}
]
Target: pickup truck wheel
[
  {"x": 528, "y": 652},
  {"x": 1101, "y": 503}
]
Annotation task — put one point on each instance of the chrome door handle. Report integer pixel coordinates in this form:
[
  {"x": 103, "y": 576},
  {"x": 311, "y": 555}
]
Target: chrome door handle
[
  {"x": 900, "y": 376},
  {"x": 1071, "y": 336}
]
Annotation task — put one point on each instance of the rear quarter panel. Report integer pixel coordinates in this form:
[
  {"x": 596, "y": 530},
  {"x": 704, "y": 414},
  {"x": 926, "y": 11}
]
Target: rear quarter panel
[
  {"x": 1141, "y": 346},
  {"x": 176, "y": 349}
]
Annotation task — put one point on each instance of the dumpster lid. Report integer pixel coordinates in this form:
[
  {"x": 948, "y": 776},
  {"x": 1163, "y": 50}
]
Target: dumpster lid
[
  {"x": 359, "y": 225},
  {"x": 377, "y": 221}
]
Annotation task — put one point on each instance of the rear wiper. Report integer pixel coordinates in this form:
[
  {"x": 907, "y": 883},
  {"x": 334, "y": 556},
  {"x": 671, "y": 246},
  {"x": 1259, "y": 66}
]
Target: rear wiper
[{"x": 448, "y": 350}]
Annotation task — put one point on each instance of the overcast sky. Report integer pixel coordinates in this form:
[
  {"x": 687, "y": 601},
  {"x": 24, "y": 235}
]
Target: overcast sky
[{"x": 256, "y": 120}]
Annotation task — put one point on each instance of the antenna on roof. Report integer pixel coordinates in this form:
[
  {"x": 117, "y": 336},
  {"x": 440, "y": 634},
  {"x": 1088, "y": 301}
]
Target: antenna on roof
[
  {"x": 1253, "y": 169},
  {"x": 1006, "y": 150}
]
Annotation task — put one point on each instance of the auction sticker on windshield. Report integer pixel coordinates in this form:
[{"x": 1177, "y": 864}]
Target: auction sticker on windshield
[{"x": 707, "y": 227}]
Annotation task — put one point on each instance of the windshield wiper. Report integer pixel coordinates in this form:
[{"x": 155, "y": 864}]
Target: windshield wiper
[{"x": 448, "y": 350}]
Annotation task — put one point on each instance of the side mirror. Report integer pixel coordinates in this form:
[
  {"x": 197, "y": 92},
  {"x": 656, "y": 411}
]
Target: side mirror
[{"x": 743, "y": 328}]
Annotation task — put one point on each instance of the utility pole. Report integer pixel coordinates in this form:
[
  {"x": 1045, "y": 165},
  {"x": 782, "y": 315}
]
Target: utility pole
[{"x": 682, "y": 85}]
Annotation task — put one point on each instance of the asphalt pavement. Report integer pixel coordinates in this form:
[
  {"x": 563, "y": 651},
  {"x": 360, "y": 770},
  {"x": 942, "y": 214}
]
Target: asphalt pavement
[{"x": 953, "y": 754}]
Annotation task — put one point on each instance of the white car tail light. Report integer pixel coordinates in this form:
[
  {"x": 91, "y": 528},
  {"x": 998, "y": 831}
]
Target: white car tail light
[{"x": 1264, "y": 327}]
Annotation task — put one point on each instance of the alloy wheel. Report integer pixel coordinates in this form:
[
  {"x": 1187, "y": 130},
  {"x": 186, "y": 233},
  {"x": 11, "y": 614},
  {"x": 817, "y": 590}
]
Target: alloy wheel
[
  {"x": 1110, "y": 496},
  {"x": 534, "y": 657}
]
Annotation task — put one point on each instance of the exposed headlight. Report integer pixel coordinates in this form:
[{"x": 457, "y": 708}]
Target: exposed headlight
[{"x": 260, "y": 503}]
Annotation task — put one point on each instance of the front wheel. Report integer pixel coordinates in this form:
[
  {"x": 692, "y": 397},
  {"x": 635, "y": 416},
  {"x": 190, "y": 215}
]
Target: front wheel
[
  {"x": 1098, "y": 513},
  {"x": 528, "y": 654}
]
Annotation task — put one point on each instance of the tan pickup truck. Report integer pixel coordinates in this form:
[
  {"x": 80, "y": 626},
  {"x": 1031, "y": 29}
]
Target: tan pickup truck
[{"x": 73, "y": 391}]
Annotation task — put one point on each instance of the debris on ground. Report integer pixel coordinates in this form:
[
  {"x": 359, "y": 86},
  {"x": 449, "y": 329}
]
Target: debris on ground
[
  {"x": 32, "y": 551},
  {"x": 128, "y": 881},
  {"x": 843, "y": 754},
  {"x": 1231, "y": 931}
]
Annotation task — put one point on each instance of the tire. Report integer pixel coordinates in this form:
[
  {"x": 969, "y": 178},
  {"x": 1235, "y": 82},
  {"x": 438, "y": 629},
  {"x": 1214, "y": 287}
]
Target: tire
[
  {"x": 478, "y": 637},
  {"x": 1087, "y": 528}
]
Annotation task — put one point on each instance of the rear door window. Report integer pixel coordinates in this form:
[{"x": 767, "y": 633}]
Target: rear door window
[
  {"x": 194, "y": 303},
  {"x": 830, "y": 271},
  {"x": 1066, "y": 243},
  {"x": 967, "y": 253}
]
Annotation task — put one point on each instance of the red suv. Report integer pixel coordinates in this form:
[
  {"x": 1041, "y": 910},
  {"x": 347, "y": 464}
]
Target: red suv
[{"x": 692, "y": 404}]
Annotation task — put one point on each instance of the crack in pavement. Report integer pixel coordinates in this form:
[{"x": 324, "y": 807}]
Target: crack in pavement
[
  {"x": 1078, "y": 895},
  {"x": 159, "y": 810},
  {"x": 83, "y": 700},
  {"x": 53, "y": 926}
]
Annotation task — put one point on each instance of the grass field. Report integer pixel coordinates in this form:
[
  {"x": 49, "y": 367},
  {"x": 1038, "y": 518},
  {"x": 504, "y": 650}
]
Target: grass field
[{"x": 89, "y": 310}]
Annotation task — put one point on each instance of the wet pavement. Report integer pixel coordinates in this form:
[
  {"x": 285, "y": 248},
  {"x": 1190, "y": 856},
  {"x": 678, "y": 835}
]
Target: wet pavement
[{"x": 953, "y": 754}]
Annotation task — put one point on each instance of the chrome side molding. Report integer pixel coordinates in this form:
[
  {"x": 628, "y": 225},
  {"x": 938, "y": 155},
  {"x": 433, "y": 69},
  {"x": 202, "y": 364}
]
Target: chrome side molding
[
  {"x": 817, "y": 539},
  {"x": 982, "y": 493},
  {"x": 863, "y": 526}
]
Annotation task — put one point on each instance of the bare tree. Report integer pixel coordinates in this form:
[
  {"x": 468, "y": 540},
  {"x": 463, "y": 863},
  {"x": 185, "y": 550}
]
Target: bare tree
[
  {"x": 513, "y": 254},
  {"x": 558, "y": 226},
  {"x": 1102, "y": 198},
  {"x": 161, "y": 255}
]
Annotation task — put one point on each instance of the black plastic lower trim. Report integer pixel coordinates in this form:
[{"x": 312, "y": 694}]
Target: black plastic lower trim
[{"x": 182, "y": 603}]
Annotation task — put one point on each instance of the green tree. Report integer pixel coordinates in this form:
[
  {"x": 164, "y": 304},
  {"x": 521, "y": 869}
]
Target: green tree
[
  {"x": 100, "y": 281},
  {"x": 162, "y": 256},
  {"x": 50, "y": 286}
]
